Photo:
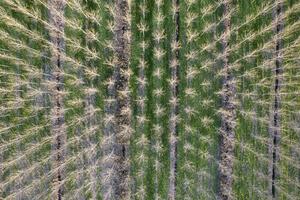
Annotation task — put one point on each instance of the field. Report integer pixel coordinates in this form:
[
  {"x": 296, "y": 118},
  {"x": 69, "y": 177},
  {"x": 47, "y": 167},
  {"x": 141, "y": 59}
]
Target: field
[{"x": 150, "y": 99}]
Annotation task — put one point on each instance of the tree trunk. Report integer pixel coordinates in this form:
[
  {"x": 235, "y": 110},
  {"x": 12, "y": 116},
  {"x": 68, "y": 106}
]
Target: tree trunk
[
  {"x": 275, "y": 115},
  {"x": 174, "y": 105},
  {"x": 228, "y": 116},
  {"x": 56, "y": 21}
]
